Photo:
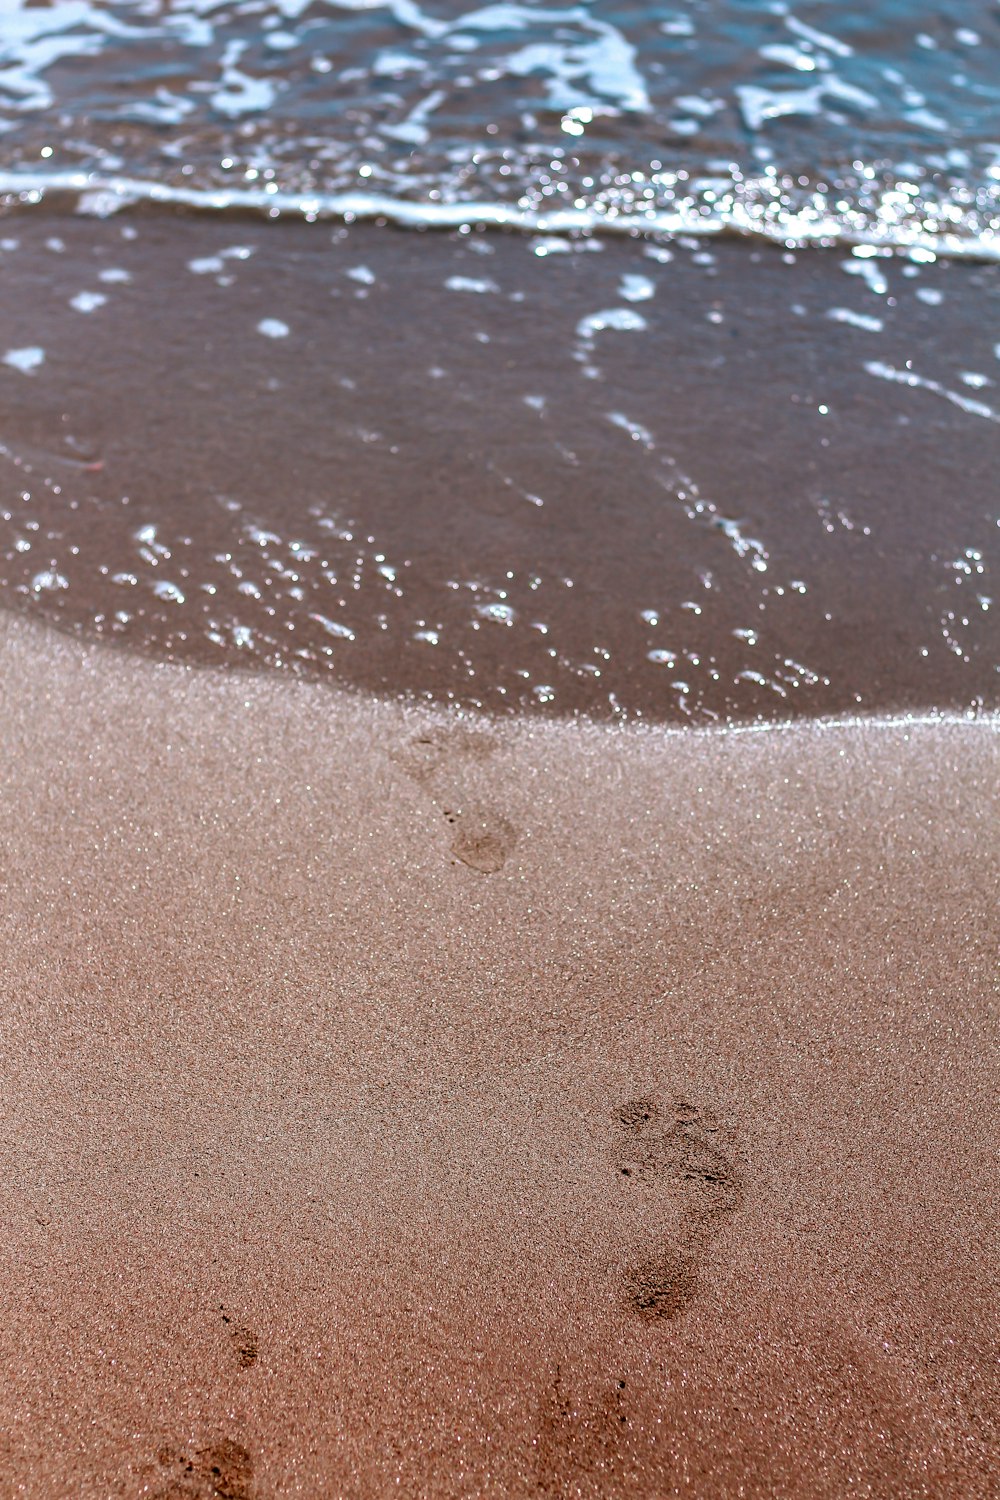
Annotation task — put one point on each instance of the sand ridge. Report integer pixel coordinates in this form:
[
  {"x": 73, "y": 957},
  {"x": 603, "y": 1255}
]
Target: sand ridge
[{"x": 654, "y": 1158}]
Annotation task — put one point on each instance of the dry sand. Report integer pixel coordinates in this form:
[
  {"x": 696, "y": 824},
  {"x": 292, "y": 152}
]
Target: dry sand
[{"x": 395, "y": 1104}]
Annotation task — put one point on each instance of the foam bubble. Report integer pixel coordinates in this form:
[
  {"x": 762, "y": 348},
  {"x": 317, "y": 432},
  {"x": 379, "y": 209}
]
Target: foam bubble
[
  {"x": 87, "y": 302},
  {"x": 27, "y": 360}
]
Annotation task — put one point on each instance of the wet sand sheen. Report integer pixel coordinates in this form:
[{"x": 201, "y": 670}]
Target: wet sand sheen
[
  {"x": 615, "y": 478},
  {"x": 396, "y": 1103}
]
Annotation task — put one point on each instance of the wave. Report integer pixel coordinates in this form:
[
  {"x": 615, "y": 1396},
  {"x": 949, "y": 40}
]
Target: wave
[
  {"x": 792, "y": 122},
  {"x": 964, "y": 223}
]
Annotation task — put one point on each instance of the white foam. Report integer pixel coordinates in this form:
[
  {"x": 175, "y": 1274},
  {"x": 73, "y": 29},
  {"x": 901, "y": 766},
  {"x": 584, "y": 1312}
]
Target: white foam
[
  {"x": 32, "y": 41},
  {"x": 870, "y": 273},
  {"x": 415, "y": 128},
  {"x": 856, "y": 319},
  {"x": 206, "y": 265},
  {"x": 334, "y": 627},
  {"x": 162, "y": 108},
  {"x": 636, "y": 288},
  {"x": 503, "y": 614},
  {"x": 26, "y": 360},
  {"x": 635, "y": 430},
  {"x": 168, "y": 592},
  {"x": 273, "y": 328},
  {"x": 48, "y": 582},
  {"x": 240, "y": 94},
  {"x": 910, "y": 378},
  {"x": 607, "y": 63},
  {"x": 622, "y": 319},
  {"x": 695, "y": 104},
  {"x": 927, "y": 120},
  {"x": 791, "y": 57},
  {"x": 821, "y": 39},
  {"x": 759, "y": 104},
  {"x": 211, "y": 265},
  {"x": 470, "y": 284},
  {"x": 281, "y": 41},
  {"x": 87, "y": 302},
  {"x": 810, "y": 224}
]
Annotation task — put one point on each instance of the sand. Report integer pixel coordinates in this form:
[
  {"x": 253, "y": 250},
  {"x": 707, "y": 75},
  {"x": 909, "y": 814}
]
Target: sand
[{"x": 397, "y": 1103}]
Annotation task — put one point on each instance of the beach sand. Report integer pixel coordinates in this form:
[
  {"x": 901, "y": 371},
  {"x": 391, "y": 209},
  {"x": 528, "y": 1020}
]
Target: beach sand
[{"x": 401, "y": 1103}]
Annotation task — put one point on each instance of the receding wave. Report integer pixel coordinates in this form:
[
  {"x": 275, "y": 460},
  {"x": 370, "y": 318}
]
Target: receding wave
[
  {"x": 768, "y": 207},
  {"x": 794, "y": 121}
]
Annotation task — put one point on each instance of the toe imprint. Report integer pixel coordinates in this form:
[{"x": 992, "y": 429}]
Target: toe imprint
[
  {"x": 439, "y": 752},
  {"x": 582, "y": 1438},
  {"x": 228, "y": 1468}
]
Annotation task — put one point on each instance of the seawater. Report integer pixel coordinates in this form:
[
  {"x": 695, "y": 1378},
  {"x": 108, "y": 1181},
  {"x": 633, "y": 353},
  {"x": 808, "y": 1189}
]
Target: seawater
[
  {"x": 609, "y": 462},
  {"x": 801, "y": 121}
]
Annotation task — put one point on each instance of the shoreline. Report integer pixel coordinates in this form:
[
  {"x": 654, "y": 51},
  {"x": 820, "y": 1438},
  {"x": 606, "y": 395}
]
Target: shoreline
[
  {"x": 638, "y": 481},
  {"x": 423, "y": 700},
  {"x": 508, "y": 1107},
  {"x": 105, "y": 194}
]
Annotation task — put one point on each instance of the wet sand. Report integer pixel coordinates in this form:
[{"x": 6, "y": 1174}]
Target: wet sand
[
  {"x": 432, "y": 480},
  {"x": 395, "y": 1103}
]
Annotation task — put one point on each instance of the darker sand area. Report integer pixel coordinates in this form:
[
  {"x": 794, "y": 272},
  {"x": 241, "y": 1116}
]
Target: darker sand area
[
  {"x": 393, "y": 1104},
  {"x": 769, "y": 494}
]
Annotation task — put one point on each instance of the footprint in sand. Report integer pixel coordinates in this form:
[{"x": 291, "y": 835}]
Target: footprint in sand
[
  {"x": 243, "y": 1339},
  {"x": 669, "y": 1153},
  {"x": 222, "y": 1471},
  {"x": 581, "y": 1437},
  {"x": 447, "y": 764}
]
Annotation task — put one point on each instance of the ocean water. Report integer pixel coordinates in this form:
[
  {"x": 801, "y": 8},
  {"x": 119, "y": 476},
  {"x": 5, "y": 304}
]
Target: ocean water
[
  {"x": 688, "y": 410},
  {"x": 801, "y": 121}
]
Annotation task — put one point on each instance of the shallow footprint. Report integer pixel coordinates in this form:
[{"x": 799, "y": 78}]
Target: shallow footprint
[
  {"x": 436, "y": 754},
  {"x": 482, "y": 840},
  {"x": 581, "y": 1436},
  {"x": 243, "y": 1339},
  {"x": 447, "y": 764},
  {"x": 669, "y": 1151},
  {"x": 663, "y": 1287},
  {"x": 222, "y": 1471}
]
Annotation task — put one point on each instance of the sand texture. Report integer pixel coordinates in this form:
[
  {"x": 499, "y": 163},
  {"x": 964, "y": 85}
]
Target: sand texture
[{"x": 396, "y": 1104}]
